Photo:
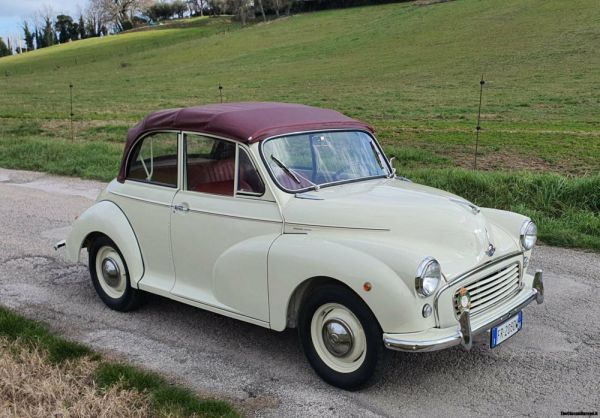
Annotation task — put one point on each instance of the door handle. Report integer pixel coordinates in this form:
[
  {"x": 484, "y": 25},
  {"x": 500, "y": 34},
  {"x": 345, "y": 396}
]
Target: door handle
[{"x": 181, "y": 207}]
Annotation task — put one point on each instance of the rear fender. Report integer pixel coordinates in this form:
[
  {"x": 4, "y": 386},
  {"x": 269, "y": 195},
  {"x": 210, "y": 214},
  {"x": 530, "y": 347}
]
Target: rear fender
[{"x": 107, "y": 218}]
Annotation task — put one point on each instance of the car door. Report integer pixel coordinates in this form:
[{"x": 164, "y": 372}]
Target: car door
[
  {"x": 222, "y": 227},
  {"x": 146, "y": 197}
]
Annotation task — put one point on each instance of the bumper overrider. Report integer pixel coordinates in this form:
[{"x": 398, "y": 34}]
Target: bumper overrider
[{"x": 440, "y": 338}]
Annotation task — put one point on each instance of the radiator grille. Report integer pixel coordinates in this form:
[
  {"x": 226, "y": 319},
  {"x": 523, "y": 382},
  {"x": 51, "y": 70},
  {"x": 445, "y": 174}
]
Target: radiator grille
[{"x": 492, "y": 289}]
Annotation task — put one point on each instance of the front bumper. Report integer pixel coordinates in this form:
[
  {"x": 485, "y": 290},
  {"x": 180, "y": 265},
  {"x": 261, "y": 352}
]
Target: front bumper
[{"x": 441, "y": 338}]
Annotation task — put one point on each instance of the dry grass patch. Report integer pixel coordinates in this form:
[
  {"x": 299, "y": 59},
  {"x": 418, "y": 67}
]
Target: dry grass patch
[
  {"x": 33, "y": 386},
  {"x": 44, "y": 375}
]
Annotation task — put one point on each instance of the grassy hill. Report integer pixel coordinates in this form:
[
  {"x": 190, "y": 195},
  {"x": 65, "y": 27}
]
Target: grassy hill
[{"x": 412, "y": 71}]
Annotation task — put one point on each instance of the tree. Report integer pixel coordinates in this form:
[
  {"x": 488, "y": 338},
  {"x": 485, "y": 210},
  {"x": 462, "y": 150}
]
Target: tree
[
  {"x": 81, "y": 28},
  {"x": 159, "y": 11},
  {"x": 197, "y": 6},
  {"x": 178, "y": 8},
  {"x": 262, "y": 10},
  {"x": 39, "y": 39},
  {"x": 123, "y": 11},
  {"x": 4, "y": 49},
  {"x": 64, "y": 26},
  {"x": 9, "y": 46},
  {"x": 97, "y": 16},
  {"x": 28, "y": 36},
  {"x": 48, "y": 35}
]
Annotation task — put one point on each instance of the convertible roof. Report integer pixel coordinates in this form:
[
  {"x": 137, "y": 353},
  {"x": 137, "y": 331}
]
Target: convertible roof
[{"x": 243, "y": 122}]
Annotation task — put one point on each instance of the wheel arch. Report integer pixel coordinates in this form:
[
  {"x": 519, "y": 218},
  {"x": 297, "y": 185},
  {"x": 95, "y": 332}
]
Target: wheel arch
[
  {"x": 298, "y": 262},
  {"x": 106, "y": 218},
  {"x": 302, "y": 291}
]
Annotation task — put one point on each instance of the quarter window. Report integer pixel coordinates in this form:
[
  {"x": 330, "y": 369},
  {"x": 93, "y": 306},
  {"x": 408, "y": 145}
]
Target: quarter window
[
  {"x": 249, "y": 181},
  {"x": 154, "y": 160}
]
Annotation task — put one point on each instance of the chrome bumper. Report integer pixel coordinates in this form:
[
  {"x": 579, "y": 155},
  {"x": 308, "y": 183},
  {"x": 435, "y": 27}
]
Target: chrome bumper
[{"x": 439, "y": 339}]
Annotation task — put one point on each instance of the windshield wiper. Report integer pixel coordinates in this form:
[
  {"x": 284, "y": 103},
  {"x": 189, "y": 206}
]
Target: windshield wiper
[{"x": 293, "y": 174}]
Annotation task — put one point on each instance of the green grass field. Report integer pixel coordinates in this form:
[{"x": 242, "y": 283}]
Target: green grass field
[{"x": 411, "y": 71}]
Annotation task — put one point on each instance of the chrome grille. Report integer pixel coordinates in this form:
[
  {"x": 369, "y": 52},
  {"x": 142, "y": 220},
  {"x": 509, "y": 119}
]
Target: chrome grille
[{"x": 492, "y": 289}]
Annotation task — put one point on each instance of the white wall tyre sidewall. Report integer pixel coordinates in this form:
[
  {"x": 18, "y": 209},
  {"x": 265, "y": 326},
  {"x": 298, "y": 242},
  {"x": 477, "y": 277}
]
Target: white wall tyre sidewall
[
  {"x": 350, "y": 362},
  {"x": 111, "y": 290}
]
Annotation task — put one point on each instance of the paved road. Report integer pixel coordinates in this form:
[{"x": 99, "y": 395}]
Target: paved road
[{"x": 552, "y": 366}]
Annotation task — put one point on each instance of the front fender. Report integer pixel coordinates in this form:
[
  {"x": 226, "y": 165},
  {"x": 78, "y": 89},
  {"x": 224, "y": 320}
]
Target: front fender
[
  {"x": 107, "y": 218},
  {"x": 294, "y": 258}
]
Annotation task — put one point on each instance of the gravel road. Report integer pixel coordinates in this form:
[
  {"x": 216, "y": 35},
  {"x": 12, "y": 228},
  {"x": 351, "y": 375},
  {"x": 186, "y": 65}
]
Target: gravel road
[{"x": 551, "y": 366}]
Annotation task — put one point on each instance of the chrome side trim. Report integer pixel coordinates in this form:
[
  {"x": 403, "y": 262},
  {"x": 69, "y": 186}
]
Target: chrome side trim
[
  {"x": 225, "y": 215},
  {"x": 466, "y": 275},
  {"x": 462, "y": 334},
  {"x": 356, "y": 228}
]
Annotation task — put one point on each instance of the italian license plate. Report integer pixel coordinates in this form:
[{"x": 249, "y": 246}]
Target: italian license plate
[{"x": 506, "y": 330}]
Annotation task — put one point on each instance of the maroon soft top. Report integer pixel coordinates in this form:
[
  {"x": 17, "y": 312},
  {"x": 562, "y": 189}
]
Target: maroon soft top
[{"x": 244, "y": 122}]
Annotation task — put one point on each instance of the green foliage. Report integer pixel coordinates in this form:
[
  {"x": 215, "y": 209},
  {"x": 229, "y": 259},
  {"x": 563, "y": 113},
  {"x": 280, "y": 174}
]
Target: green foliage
[
  {"x": 4, "y": 49},
  {"x": 566, "y": 209},
  {"x": 167, "y": 399},
  {"x": 13, "y": 326}
]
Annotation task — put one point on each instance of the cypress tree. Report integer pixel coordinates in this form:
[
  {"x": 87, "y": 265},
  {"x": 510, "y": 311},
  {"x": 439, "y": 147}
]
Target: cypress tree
[
  {"x": 4, "y": 51},
  {"x": 28, "y": 37},
  {"x": 48, "y": 36},
  {"x": 82, "y": 32}
]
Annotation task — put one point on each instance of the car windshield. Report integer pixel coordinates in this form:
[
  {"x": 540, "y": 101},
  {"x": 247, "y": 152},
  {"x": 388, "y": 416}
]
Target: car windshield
[{"x": 309, "y": 160}]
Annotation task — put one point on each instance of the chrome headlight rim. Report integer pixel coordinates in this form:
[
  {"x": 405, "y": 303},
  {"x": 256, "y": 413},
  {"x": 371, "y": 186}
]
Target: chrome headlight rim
[
  {"x": 528, "y": 236},
  {"x": 423, "y": 283}
]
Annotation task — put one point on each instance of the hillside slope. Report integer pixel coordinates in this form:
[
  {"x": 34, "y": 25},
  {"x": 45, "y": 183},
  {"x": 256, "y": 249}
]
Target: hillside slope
[{"x": 412, "y": 71}]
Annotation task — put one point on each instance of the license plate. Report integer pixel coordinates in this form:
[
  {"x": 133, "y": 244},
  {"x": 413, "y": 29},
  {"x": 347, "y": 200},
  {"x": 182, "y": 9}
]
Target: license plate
[{"x": 506, "y": 330}]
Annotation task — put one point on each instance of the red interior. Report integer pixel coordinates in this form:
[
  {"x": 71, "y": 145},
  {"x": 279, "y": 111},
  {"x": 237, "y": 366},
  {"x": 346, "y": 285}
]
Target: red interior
[{"x": 214, "y": 177}]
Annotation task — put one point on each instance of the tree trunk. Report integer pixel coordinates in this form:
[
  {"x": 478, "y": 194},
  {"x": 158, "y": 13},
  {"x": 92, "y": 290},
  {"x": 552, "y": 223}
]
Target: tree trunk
[
  {"x": 289, "y": 7},
  {"x": 277, "y": 7},
  {"x": 243, "y": 12},
  {"x": 262, "y": 10}
]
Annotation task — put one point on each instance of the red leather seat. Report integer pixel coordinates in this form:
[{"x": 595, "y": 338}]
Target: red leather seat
[{"x": 214, "y": 177}]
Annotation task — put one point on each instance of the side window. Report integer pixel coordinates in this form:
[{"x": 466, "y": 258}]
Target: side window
[
  {"x": 154, "y": 159},
  {"x": 249, "y": 180},
  {"x": 210, "y": 165}
]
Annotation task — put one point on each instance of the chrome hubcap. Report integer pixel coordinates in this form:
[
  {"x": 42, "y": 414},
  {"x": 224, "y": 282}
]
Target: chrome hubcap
[
  {"x": 111, "y": 272},
  {"x": 337, "y": 337}
]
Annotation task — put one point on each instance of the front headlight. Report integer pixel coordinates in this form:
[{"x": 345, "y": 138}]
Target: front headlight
[
  {"x": 528, "y": 235},
  {"x": 429, "y": 275}
]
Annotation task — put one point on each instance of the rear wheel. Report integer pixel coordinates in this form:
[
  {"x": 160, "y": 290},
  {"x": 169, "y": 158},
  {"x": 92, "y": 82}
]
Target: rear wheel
[
  {"x": 110, "y": 275},
  {"x": 341, "y": 337}
]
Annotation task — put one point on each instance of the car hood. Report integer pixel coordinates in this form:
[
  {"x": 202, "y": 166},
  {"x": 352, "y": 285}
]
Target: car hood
[{"x": 418, "y": 219}]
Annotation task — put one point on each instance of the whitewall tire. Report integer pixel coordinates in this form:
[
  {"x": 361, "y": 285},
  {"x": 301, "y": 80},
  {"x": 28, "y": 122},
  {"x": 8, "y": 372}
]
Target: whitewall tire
[
  {"x": 110, "y": 275},
  {"x": 341, "y": 337}
]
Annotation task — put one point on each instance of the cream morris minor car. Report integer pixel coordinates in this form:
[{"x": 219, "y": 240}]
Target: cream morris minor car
[{"x": 286, "y": 215}]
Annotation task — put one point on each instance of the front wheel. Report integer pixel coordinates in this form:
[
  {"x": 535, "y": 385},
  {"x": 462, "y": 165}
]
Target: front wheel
[
  {"x": 110, "y": 275},
  {"x": 341, "y": 337}
]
